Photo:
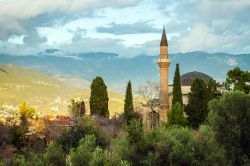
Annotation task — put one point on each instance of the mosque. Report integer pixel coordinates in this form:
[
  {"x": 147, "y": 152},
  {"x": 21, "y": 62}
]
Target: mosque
[{"x": 154, "y": 116}]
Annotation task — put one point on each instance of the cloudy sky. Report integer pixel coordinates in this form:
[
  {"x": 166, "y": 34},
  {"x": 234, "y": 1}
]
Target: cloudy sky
[{"x": 126, "y": 27}]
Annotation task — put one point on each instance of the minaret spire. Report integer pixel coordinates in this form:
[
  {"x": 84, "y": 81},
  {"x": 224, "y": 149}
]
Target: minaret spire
[{"x": 164, "y": 41}]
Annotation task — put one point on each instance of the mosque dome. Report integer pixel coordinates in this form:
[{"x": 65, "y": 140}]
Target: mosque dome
[{"x": 188, "y": 78}]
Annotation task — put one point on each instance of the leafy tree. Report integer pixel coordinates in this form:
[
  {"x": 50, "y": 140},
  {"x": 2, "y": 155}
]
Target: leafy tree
[
  {"x": 175, "y": 116},
  {"x": 54, "y": 155},
  {"x": 229, "y": 118},
  {"x": 77, "y": 108},
  {"x": 196, "y": 108},
  {"x": 25, "y": 112},
  {"x": 99, "y": 98},
  {"x": 128, "y": 103},
  {"x": 238, "y": 80},
  {"x": 177, "y": 94}
]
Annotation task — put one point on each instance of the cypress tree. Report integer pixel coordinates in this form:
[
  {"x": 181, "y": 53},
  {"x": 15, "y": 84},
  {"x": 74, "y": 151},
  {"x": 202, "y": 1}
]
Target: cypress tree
[
  {"x": 128, "y": 103},
  {"x": 197, "y": 107},
  {"x": 177, "y": 94},
  {"x": 99, "y": 98}
]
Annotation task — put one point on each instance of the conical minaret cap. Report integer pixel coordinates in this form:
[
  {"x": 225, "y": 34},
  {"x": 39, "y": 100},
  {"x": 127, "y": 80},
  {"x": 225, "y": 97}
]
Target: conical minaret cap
[{"x": 164, "y": 41}]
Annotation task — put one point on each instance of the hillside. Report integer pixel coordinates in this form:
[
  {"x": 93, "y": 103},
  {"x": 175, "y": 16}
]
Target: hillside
[{"x": 48, "y": 94}]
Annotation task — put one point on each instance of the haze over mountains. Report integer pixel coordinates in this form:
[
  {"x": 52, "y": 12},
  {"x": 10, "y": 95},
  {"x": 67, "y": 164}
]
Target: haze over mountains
[{"x": 118, "y": 70}]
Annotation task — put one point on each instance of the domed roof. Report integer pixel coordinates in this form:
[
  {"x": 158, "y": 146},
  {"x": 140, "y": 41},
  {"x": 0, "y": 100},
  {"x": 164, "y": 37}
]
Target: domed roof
[{"x": 188, "y": 78}]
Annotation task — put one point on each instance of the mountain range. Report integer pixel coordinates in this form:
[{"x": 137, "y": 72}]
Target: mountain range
[{"x": 117, "y": 70}]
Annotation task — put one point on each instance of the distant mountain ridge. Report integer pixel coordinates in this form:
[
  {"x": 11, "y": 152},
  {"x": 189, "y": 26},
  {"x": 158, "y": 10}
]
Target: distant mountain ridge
[{"x": 117, "y": 70}]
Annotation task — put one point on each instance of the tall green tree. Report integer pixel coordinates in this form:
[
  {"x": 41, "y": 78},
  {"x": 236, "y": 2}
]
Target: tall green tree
[
  {"x": 128, "y": 103},
  {"x": 197, "y": 107},
  {"x": 213, "y": 89},
  {"x": 229, "y": 117},
  {"x": 238, "y": 80},
  {"x": 99, "y": 98},
  {"x": 177, "y": 94},
  {"x": 175, "y": 116}
]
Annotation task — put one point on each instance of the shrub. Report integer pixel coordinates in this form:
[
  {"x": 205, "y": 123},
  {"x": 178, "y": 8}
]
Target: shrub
[
  {"x": 70, "y": 139},
  {"x": 175, "y": 116},
  {"x": 54, "y": 155}
]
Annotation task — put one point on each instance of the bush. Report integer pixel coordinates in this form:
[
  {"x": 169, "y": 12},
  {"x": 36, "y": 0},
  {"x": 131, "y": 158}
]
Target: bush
[
  {"x": 175, "y": 116},
  {"x": 5, "y": 135},
  {"x": 54, "y": 155},
  {"x": 70, "y": 139},
  {"x": 88, "y": 153},
  {"x": 174, "y": 145},
  {"x": 19, "y": 161},
  {"x": 82, "y": 154}
]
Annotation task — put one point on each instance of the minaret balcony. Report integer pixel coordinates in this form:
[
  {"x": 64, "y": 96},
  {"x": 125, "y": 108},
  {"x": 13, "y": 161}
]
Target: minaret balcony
[{"x": 163, "y": 60}]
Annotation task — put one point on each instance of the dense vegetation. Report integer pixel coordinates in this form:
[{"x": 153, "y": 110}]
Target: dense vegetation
[{"x": 215, "y": 131}]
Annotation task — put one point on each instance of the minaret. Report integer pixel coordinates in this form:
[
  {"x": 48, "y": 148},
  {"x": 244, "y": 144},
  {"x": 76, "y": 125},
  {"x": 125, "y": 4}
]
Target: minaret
[{"x": 163, "y": 63}]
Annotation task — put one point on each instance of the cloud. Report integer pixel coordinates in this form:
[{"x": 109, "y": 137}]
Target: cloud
[
  {"x": 225, "y": 60},
  {"x": 78, "y": 33},
  {"x": 213, "y": 26},
  {"x": 101, "y": 25},
  {"x": 231, "y": 62},
  {"x": 122, "y": 29},
  {"x": 15, "y": 14},
  {"x": 222, "y": 8},
  {"x": 201, "y": 37},
  {"x": 33, "y": 38}
]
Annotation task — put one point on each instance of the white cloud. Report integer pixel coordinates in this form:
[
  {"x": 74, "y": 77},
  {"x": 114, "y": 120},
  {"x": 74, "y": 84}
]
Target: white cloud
[{"x": 201, "y": 37}]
